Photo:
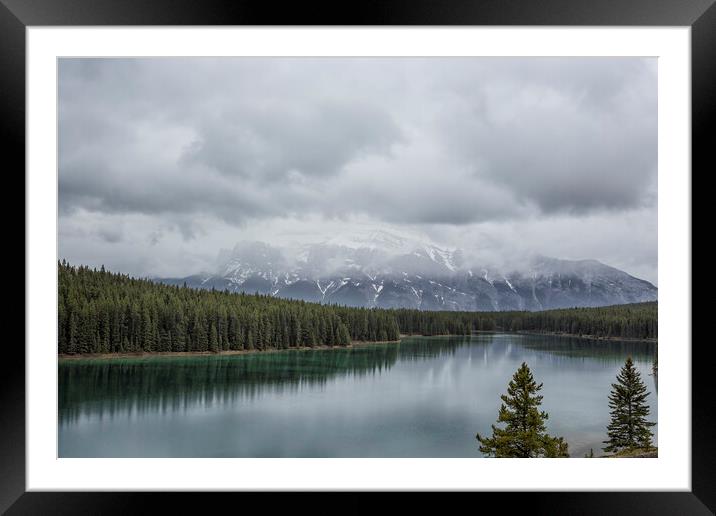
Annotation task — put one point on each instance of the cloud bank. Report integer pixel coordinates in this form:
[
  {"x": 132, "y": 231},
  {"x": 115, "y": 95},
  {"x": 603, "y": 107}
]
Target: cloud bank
[{"x": 163, "y": 161}]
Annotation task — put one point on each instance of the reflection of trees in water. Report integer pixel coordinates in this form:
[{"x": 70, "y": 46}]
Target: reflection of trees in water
[
  {"x": 607, "y": 351},
  {"x": 101, "y": 388},
  {"x": 162, "y": 384},
  {"x": 104, "y": 387},
  {"x": 420, "y": 348}
]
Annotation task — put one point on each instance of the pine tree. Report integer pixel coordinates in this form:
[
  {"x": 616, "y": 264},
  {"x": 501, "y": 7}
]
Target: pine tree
[
  {"x": 344, "y": 337},
  {"x": 524, "y": 434},
  {"x": 202, "y": 338},
  {"x": 213, "y": 340},
  {"x": 147, "y": 331},
  {"x": 628, "y": 428}
]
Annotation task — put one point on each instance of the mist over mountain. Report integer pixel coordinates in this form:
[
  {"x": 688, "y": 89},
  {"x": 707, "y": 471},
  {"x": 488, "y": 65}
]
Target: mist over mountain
[{"x": 376, "y": 268}]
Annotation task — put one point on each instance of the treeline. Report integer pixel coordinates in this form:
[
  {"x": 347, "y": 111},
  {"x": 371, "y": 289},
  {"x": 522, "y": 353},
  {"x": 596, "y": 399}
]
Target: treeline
[
  {"x": 419, "y": 322},
  {"x": 634, "y": 321},
  {"x": 104, "y": 312}
]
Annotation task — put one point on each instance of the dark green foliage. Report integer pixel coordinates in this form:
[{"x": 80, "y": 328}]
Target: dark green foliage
[
  {"x": 634, "y": 321},
  {"x": 628, "y": 428},
  {"x": 524, "y": 434},
  {"x": 102, "y": 312},
  {"x": 417, "y": 322}
]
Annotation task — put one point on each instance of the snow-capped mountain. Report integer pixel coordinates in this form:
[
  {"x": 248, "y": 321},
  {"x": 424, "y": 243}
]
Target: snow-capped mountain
[{"x": 377, "y": 268}]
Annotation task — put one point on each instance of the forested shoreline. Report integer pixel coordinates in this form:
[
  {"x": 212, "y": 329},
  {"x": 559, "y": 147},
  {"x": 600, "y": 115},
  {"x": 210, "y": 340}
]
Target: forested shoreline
[{"x": 101, "y": 312}]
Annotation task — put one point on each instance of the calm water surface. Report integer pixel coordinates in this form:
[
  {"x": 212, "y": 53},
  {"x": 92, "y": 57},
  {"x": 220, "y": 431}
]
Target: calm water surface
[{"x": 423, "y": 397}]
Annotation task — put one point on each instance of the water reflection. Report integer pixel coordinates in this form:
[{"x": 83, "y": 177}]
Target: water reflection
[
  {"x": 105, "y": 387},
  {"x": 421, "y": 397},
  {"x": 606, "y": 351}
]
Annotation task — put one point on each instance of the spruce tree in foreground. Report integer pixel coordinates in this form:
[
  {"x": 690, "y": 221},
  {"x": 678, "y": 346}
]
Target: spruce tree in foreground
[
  {"x": 628, "y": 428},
  {"x": 524, "y": 434}
]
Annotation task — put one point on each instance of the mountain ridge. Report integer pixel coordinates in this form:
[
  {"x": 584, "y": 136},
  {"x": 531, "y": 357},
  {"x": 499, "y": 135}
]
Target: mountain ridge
[{"x": 389, "y": 271}]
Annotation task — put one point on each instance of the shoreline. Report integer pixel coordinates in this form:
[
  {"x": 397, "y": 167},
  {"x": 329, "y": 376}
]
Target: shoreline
[
  {"x": 586, "y": 337},
  {"x": 353, "y": 344},
  {"x": 228, "y": 352}
]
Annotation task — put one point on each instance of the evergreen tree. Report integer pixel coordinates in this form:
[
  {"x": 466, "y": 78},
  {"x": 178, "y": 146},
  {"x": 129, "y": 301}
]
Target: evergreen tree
[
  {"x": 202, "y": 338},
  {"x": 213, "y": 339},
  {"x": 628, "y": 428},
  {"x": 524, "y": 434},
  {"x": 147, "y": 331},
  {"x": 344, "y": 337}
]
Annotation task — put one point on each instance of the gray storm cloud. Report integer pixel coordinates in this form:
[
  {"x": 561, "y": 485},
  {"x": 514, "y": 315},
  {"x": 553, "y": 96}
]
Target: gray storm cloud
[{"x": 183, "y": 154}]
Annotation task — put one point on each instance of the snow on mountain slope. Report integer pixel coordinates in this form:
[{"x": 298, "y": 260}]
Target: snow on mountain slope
[{"x": 377, "y": 268}]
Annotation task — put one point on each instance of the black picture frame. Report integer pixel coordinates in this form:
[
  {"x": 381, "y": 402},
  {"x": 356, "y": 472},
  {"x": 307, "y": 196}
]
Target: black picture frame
[{"x": 16, "y": 15}]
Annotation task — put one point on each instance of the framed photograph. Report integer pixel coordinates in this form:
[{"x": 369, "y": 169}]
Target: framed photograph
[{"x": 417, "y": 250}]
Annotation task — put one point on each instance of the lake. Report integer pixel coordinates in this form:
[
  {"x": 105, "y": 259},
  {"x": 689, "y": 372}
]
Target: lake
[{"x": 422, "y": 397}]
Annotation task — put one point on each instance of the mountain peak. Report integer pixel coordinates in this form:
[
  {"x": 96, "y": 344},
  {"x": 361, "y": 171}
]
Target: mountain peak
[
  {"x": 377, "y": 238},
  {"x": 379, "y": 268}
]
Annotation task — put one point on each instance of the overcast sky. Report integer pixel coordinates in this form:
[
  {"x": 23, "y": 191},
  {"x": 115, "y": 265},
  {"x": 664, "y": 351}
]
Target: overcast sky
[{"x": 163, "y": 162}]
